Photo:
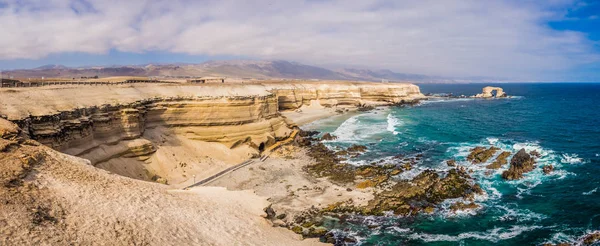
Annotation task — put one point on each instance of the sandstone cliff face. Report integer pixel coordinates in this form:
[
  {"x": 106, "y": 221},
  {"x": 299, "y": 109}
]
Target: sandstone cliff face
[
  {"x": 295, "y": 95},
  {"x": 229, "y": 120}
]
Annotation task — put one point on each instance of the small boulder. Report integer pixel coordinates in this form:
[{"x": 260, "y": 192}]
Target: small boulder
[
  {"x": 548, "y": 169},
  {"x": 270, "y": 212},
  {"x": 451, "y": 163},
  {"x": 327, "y": 137},
  {"x": 535, "y": 154},
  {"x": 500, "y": 161},
  {"x": 357, "y": 148},
  {"x": 281, "y": 216},
  {"x": 520, "y": 163},
  {"x": 481, "y": 154},
  {"x": 463, "y": 206}
]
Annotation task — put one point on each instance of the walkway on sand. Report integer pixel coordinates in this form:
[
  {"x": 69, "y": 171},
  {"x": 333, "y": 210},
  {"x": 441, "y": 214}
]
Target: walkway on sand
[{"x": 263, "y": 157}]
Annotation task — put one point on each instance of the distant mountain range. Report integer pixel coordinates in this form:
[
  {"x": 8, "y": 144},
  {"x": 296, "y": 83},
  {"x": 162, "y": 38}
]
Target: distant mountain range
[{"x": 234, "y": 68}]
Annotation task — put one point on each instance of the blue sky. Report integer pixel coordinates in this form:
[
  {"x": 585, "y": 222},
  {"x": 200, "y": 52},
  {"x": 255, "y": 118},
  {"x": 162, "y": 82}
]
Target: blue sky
[{"x": 555, "y": 40}]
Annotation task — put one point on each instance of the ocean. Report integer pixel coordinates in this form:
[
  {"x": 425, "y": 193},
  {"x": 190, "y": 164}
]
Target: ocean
[{"x": 559, "y": 120}]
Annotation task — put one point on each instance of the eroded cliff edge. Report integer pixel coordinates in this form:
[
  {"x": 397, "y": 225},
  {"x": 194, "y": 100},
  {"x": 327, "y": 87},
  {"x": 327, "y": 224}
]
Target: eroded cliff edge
[{"x": 171, "y": 133}]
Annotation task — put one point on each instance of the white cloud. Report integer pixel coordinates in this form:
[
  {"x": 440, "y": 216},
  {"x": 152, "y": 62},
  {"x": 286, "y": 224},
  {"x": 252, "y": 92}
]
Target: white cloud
[{"x": 449, "y": 37}]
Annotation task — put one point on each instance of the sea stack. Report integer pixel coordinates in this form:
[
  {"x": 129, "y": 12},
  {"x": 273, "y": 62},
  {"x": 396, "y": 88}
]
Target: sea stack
[{"x": 487, "y": 92}]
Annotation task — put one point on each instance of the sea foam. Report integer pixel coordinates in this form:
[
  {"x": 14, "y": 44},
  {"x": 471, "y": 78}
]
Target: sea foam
[
  {"x": 392, "y": 123},
  {"x": 494, "y": 235}
]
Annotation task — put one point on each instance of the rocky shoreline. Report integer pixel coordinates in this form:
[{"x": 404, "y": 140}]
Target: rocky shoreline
[{"x": 404, "y": 198}]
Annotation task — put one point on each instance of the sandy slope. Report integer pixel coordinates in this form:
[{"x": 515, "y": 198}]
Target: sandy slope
[{"x": 51, "y": 198}]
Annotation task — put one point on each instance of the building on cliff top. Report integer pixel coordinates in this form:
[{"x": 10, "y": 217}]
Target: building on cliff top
[{"x": 203, "y": 80}]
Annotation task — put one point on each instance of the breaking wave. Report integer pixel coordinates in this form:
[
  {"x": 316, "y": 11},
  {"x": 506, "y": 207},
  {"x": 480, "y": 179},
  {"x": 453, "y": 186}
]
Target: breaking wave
[
  {"x": 570, "y": 159},
  {"x": 392, "y": 123},
  {"x": 590, "y": 192},
  {"x": 494, "y": 235}
]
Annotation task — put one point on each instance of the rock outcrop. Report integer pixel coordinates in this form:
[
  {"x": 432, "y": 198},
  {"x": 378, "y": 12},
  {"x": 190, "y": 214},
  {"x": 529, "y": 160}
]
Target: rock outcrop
[
  {"x": 521, "y": 163},
  {"x": 487, "y": 92}
]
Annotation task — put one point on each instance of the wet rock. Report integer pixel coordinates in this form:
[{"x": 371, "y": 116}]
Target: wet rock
[
  {"x": 357, "y": 148},
  {"x": 535, "y": 154},
  {"x": 463, "y": 206},
  {"x": 411, "y": 197},
  {"x": 451, "y": 163},
  {"x": 592, "y": 238},
  {"x": 350, "y": 240},
  {"x": 520, "y": 163},
  {"x": 481, "y": 154},
  {"x": 329, "y": 238},
  {"x": 303, "y": 133},
  {"x": 328, "y": 137},
  {"x": 548, "y": 169},
  {"x": 500, "y": 161}
]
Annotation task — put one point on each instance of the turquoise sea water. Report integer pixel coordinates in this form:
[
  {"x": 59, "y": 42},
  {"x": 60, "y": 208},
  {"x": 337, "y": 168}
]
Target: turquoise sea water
[{"x": 561, "y": 121}]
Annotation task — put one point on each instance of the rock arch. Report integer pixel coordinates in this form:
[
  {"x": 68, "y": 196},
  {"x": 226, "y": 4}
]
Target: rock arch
[{"x": 487, "y": 92}]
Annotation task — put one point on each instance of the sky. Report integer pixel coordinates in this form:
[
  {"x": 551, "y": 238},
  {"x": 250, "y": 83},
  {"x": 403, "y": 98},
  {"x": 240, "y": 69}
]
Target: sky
[{"x": 523, "y": 40}]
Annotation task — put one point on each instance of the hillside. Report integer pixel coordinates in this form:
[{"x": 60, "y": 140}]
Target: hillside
[{"x": 233, "y": 68}]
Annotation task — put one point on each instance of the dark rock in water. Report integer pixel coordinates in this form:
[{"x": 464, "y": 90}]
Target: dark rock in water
[
  {"x": 329, "y": 238},
  {"x": 500, "y": 161},
  {"x": 535, "y": 154},
  {"x": 350, "y": 240},
  {"x": 303, "y": 133},
  {"x": 548, "y": 169},
  {"x": 451, "y": 163},
  {"x": 328, "y": 136},
  {"x": 592, "y": 238},
  {"x": 520, "y": 163},
  {"x": 412, "y": 197},
  {"x": 357, "y": 148},
  {"x": 481, "y": 154},
  {"x": 342, "y": 152},
  {"x": 270, "y": 212},
  {"x": 463, "y": 206}
]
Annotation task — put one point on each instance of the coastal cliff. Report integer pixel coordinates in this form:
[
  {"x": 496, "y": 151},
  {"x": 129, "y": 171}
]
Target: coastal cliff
[
  {"x": 296, "y": 95},
  {"x": 168, "y": 133},
  {"x": 171, "y": 134}
]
